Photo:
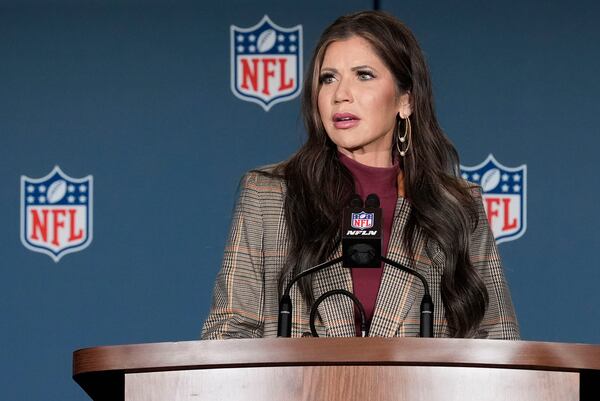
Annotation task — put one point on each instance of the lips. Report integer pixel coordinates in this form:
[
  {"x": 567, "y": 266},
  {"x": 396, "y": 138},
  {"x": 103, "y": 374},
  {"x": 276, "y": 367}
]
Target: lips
[{"x": 345, "y": 120}]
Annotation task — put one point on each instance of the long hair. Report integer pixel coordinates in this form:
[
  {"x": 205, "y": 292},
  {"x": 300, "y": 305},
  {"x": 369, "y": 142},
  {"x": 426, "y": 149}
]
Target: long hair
[{"x": 319, "y": 185}]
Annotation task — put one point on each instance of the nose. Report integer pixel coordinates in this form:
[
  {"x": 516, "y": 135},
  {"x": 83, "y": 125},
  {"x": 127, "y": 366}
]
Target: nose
[{"x": 343, "y": 92}]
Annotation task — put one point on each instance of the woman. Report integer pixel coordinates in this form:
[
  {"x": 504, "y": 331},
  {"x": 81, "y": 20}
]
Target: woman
[{"x": 368, "y": 110}]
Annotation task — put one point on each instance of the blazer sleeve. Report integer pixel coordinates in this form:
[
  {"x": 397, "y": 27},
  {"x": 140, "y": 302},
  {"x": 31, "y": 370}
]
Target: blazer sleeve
[
  {"x": 237, "y": 305},
  {"x": 499, "y": 321}
]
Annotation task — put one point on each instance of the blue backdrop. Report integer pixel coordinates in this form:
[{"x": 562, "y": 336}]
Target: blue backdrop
[{"x": 137, "y": 94}]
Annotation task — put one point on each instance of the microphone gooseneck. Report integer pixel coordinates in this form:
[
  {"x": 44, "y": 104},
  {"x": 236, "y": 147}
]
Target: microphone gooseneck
[
  {"x": 284, "y": 323},
  {"x": 426, "y": 314}
]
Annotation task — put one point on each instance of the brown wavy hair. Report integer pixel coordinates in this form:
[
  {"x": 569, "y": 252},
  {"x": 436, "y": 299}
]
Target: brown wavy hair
[{"x": 319, "y": 185}]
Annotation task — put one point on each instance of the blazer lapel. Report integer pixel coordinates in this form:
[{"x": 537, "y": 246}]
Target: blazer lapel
[
  {"x": 398, "y": 289},
  {"x": 337, "y": 311}
]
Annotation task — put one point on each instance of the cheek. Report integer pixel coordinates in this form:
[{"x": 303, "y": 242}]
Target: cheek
[
  {"x": 322, "y": 105},
  {"x": 385, "y": 106}
]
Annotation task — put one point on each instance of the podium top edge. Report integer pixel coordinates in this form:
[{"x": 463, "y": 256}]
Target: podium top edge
[{"x": 336, "y": 351}]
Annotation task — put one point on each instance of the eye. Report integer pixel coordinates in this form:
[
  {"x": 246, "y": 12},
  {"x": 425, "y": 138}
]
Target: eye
[
  {"x": 365, "y": 75},
  {"x": 326, "y": 78}
]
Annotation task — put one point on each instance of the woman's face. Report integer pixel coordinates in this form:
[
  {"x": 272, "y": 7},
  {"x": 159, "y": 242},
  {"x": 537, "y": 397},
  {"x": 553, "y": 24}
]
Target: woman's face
[{"x": 358, "y": 101}]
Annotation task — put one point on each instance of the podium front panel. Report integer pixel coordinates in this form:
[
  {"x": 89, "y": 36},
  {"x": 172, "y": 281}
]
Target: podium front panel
[{"x": 348, "y": 383}]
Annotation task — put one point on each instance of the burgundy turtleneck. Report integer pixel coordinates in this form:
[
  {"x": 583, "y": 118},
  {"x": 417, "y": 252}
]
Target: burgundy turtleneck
[{"x": 382, "y": 181}]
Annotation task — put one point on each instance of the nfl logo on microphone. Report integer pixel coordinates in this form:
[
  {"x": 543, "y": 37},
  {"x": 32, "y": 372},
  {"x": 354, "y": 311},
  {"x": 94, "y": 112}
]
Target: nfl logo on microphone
[
  {"x": 362, "y": 220},
  {"x": 56, "y": 213},
  {"x": 504, "y": 196},
  {"x": 266, "y": 63}
]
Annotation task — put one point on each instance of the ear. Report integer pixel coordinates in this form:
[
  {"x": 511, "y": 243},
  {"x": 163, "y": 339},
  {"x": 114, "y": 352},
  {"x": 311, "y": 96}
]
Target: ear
[{"x": 405, "y": 105}]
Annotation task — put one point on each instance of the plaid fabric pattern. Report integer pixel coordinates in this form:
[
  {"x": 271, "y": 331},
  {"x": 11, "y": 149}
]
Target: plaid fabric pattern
[{"x": 245, "y": 300}]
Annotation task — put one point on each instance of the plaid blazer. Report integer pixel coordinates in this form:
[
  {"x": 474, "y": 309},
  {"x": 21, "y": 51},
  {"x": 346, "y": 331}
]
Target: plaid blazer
[{"x": 245, "y": 300}]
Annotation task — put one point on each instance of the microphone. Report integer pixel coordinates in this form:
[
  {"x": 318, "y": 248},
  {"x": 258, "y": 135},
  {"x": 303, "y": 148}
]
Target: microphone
[
  {"x": 361, "y": 233},
  {"x": 361, "y": 247}
]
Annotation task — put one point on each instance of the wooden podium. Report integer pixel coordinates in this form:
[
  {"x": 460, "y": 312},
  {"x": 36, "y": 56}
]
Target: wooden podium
[{"x": 341, "y": 369}]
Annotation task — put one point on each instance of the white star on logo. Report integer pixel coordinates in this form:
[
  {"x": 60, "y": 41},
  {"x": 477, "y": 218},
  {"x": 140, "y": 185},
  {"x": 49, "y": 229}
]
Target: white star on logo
[
  {"x": 251, "y": 38},
  {"x": 82, "y": 198},
  {"x": 280, "y": 38},
  {"x": 42, "y": 188},
  {"x": 240, "y": 38},
  {"x": 504, "y": 177},
  {"x": 252, "y": 48},
  {"x": 71, "y": 188},
  {"x": 281, "y": 48},
  {"x": 292, "y": 38},
  {"x": 42, "y": 199},
  {"x": 516, "y": 188},
  {"x": 240, "y": 48},
  {"x": 71, "y": 199},
  {"x": 476, "y": 177},
  {"x": 465, "y": 176},
  {"x": 292, "y": 48},
  {"x": 30, "y": 188},
  {"x": 30, "y": 199},
  {"x": 504, "y": 188},
  {"x": 82, "y": 188},
  {"x": 516, "y": 177}
]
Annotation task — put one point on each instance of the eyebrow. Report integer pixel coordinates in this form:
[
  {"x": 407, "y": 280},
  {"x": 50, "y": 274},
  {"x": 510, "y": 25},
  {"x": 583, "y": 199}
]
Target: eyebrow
[{"x": 358, "y": 67}]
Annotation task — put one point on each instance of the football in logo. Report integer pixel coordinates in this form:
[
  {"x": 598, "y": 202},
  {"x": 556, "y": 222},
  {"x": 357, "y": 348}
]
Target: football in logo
[
  {"x": 266, "y": 63},
  {"x": 504, "y": 196},
  {"x": 266, "y": 40},
  {"x": 56, "y": 213}
]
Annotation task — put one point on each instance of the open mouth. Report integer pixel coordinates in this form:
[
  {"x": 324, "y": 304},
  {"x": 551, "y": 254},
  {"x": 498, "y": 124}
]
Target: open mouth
[
  {"x": 345, "y": 120},
  {"x": 344, "y": 117}
]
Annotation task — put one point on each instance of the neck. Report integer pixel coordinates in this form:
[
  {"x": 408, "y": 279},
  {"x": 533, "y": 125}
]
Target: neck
[{"x": 381, "y": 158}]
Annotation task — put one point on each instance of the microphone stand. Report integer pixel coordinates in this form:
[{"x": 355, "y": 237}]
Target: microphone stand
[
  {"x": 284, "y": 323},
  {"x": 361, "y": 253}
]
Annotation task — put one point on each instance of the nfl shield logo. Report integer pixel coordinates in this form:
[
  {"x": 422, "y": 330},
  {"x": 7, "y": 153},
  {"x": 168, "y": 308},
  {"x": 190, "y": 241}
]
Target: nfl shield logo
[
  {"x": 504, "y": 196},
  {"x": 56, "y": 213},
  {"x": 266, "y": 63},
  {"x": 362, "y": 220}
]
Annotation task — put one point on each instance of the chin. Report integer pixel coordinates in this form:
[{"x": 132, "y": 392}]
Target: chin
[
  {"x": 346, "y": 141},
  {"x": 348, "y": 145}
]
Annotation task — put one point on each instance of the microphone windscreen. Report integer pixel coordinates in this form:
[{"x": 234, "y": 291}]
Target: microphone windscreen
[
  {"x": 372, "y": 201},
  {"x": 356, "y": 201}
]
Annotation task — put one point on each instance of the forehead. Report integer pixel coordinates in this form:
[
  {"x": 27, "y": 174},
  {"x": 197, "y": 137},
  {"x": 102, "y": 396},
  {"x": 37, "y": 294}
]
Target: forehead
[{"x": 350, "y": 52}]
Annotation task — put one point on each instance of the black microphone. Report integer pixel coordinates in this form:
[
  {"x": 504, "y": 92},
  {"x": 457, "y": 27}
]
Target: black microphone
[{"x": 361, "y": 233}]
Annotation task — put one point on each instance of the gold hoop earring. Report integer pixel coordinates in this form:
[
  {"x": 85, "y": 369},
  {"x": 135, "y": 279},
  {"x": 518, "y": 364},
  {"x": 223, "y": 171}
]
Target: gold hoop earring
[{"x": 406, "y": 138}]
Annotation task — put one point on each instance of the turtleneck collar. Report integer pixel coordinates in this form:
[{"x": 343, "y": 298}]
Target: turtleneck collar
[{"x": 380, "y": 180}]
